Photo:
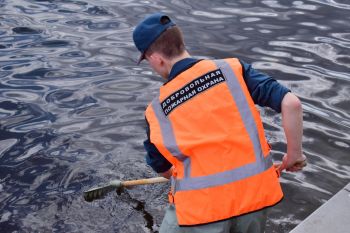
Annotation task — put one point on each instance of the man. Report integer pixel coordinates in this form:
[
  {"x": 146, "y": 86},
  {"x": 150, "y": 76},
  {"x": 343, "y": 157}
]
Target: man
[{"x": 206, "y": 135}]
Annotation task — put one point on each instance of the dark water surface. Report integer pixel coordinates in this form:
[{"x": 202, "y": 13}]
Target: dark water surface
[{"x": 72, "y": 101}]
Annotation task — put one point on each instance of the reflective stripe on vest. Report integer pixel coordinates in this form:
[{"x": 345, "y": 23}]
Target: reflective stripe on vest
[
  {"x": 169, "y": 138},
  {"x": 192, "y": 183}
]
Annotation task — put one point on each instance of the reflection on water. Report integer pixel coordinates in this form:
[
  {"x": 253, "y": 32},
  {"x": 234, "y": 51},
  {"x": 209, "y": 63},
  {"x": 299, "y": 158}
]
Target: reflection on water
[{"x": 72, "y": 101}]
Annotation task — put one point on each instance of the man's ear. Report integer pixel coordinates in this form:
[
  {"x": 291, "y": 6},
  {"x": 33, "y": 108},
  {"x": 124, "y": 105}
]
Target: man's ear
[{"x": 158, "y": 58}]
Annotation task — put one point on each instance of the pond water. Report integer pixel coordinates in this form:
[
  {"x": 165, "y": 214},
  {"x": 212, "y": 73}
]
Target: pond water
[{"x": 72, "y": 101}]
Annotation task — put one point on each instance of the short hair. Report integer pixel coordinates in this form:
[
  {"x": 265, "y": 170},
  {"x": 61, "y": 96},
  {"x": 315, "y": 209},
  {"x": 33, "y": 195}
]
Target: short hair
[{"x": 170, "y": 43}]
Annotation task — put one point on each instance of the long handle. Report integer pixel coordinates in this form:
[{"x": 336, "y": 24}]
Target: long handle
[
  {"x": 154, "y": 180},
  {"x": 100, "y": 192}
]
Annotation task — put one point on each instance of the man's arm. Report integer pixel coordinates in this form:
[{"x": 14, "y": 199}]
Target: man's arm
[
  {"x": 266, "y": 91},
  {"x": 292, "y": 122}
]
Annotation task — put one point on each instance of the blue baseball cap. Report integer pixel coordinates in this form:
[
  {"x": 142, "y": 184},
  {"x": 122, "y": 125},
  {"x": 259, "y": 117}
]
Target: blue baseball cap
[{"x": 148, "y": 30}]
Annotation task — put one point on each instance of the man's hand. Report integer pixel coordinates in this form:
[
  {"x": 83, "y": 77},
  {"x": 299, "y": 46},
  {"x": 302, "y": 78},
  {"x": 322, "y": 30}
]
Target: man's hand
[
  {"x": 291, "y": 165},
  {"x": 168, "y": 173}
]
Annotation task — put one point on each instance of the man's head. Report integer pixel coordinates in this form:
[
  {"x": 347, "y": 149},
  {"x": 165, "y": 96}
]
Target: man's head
[{"x": 159, "y": 40}]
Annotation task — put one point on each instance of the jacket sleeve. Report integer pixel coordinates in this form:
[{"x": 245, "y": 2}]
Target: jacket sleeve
[
  {"x": 153, "y": 157},
  {"x": 264, "y": 90}
]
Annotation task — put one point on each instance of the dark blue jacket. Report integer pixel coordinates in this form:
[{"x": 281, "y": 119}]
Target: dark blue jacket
[{"x": 264, "y": 90}]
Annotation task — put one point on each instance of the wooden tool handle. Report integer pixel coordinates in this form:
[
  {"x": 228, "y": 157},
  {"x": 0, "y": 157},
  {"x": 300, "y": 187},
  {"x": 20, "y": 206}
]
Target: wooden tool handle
[{"x": 129, "y": 183}]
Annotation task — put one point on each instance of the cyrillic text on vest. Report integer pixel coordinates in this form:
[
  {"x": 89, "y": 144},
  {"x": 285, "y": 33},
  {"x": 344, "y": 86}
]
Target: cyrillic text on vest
[{"x": 191, "y": 89}]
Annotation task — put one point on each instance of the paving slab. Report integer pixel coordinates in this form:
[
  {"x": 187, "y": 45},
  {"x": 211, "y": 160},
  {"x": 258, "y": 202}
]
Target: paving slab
[{"x": 332, "y": 217}]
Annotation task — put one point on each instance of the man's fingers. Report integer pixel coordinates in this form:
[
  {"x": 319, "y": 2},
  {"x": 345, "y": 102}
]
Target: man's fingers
[
  {"x": 297, "y": 166},
  {"x": 300, "y": 164},
  {"x": 294, "y": 169}
]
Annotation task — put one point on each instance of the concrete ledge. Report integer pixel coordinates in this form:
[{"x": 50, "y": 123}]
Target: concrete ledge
[{"x": 332, "y": 217}]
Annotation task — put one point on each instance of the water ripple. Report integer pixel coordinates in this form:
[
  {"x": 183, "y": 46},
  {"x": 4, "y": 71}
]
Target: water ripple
[{"x": 333, "y": 3}]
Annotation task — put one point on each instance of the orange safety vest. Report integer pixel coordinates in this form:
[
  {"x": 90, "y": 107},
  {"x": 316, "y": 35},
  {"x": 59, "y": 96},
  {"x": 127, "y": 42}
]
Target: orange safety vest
[{"x": 205, "y": 123}]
